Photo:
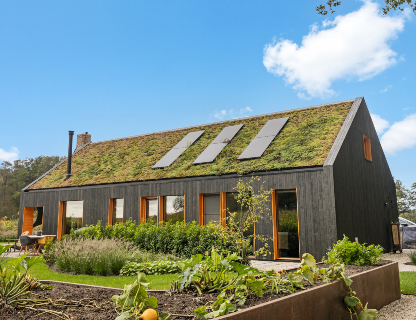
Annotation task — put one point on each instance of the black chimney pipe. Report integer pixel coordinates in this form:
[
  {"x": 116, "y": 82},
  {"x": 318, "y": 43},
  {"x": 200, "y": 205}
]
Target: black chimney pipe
[{"x": 68, "y": 168}]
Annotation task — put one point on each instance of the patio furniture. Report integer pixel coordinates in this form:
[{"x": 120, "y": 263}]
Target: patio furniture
[
  {"x": 25, "y": 242},
  {"x": 14, "y": 245},
  {"x": 43, "y": 242}
]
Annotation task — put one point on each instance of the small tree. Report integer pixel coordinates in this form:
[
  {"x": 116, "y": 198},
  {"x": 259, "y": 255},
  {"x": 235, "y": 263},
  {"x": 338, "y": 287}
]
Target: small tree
[{"x": 240, "y": 225}]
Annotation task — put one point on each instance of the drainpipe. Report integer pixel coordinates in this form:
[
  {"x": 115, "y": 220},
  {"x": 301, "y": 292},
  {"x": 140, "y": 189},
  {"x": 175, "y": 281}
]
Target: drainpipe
[{"x": 68, "y": 168}]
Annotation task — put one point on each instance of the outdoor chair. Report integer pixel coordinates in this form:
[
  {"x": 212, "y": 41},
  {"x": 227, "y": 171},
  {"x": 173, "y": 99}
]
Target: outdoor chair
[
  {"x": 43, "y": 242},
  {"x": 26, "y": 242}
]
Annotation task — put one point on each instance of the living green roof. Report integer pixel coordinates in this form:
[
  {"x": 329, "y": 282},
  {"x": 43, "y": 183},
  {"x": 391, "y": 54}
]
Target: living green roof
[{"x": 305, "y": 141}]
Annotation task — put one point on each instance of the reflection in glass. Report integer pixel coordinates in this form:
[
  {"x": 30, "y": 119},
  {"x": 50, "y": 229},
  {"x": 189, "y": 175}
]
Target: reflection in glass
[
  {"x": 118, "y": 210},
  {"x": 151, "y": 210},
  {"x": 37, "y": 220},
  {"x": 212, "y": 208},
  {"x": 234, "y": 206},
  {"x": 174, "y": 208},
  {"x": 74, "y": 210},
  {"x": 287, "y": 212}
]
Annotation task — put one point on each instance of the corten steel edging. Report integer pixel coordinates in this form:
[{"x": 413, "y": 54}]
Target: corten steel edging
[{"x": 378, "y": 287}]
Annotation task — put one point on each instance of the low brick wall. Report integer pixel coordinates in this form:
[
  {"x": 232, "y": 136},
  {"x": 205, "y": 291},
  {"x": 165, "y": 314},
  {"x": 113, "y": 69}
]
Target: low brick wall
[{"x": 379, "y": 287}]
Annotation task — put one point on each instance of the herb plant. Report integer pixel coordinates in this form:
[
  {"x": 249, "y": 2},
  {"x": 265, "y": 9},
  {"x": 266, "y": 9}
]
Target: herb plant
[{"x": 347, "y": 252}]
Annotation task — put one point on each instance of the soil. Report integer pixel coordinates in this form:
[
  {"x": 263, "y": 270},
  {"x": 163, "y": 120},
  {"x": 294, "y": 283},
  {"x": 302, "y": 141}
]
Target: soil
[{"x": 100, "y": 306}]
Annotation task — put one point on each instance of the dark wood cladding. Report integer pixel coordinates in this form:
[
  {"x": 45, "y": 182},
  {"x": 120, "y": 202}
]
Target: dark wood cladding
[
  {"x": 316, "y": 216},
  {"x": 365, "y": 192}
]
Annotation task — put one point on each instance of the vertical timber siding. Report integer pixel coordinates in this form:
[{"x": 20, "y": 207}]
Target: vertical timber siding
[
  {"x": 362, "y": 187},
  {"x": 317, "y": 225}
]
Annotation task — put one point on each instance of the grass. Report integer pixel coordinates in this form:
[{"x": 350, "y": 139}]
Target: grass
[
  {"x": 408, "y": 282},
  {"x": 42, "y": 272}
]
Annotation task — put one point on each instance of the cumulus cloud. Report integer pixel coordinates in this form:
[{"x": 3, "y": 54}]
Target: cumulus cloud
[
  {"x": 380, "y": 123},
  {"x": 232, "y": 113},
  {"x": 354, "y": 46},
  {"x": 400, "y": 136},
  {"x": 9, "y": 155}
]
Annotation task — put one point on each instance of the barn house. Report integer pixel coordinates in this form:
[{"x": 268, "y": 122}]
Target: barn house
[{"x": 325, "y": 165}]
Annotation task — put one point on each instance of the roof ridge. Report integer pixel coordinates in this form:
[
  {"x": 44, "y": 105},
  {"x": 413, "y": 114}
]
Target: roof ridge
[{"x": 212, "y": 123}]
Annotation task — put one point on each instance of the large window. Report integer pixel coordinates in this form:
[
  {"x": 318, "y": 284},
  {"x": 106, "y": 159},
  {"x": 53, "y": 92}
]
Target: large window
[
  {"x": 287, "y": 246},
  {"x": 149, "y": 209},
  {"x": 211, "y": 208},
  {"x": 116, "y": 211},
  {"x": 73, "y": 215},
  {"x": 174, "y": 208}
]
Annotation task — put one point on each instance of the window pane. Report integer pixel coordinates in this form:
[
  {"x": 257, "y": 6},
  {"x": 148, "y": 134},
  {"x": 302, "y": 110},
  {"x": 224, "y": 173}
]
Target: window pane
[
  {"x": 212, "y": 208},
  {"x": 118, "y": 210},
  {"x": 74, "y": 211},
  {"x": 234, "y": 206},
  {"x": 151, "y": 210},
  {"x": 288, "y": 237},
  {"x": 174, "y": 208}
]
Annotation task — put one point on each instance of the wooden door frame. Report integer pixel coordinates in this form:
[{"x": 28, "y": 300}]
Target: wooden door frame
[
  {"x": 143, "y": 209},
  {"x": 62, "y": 214},
  {"x": 111, "y": 210},
  {"x": 275, "y": 208}
]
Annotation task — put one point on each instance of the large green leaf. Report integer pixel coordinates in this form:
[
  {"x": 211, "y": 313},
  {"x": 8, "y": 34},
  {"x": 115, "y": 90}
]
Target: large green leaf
[
  {"x": 4, "y": 248},
  {"x": 368, "y": 314},
  {"x": 124, "y": 315},
  {"x": 308, "y": 259},
  {"x": 351, "y": 301}
]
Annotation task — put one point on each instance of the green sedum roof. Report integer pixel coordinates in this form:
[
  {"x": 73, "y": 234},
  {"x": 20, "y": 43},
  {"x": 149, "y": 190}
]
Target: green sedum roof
[{"x": 305, "y": 141}]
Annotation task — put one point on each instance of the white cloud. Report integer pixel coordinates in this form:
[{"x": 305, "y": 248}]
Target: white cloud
[
  {"x": 354, "y": 46},
  {"x": 232, "y": 113},
  {"x": 386, "y": 89},
  {"x": 380, "y": 123},
  {"x": 400, "y": 136},
  {"x": 220, "y": 115},
  {"x": 9, "y": 155}
]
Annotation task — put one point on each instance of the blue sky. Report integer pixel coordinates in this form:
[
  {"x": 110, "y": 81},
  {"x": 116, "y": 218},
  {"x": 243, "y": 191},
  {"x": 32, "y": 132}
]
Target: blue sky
[{"x": 122, "y": 68}]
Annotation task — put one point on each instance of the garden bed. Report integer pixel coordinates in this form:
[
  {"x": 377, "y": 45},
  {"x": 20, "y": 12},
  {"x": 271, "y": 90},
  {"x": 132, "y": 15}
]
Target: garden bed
[{"x": 321, "y": 301}]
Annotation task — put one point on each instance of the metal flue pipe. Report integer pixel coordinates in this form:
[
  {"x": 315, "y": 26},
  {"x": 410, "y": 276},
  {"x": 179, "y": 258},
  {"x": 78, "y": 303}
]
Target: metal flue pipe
[{"x": 68, "y": 168}]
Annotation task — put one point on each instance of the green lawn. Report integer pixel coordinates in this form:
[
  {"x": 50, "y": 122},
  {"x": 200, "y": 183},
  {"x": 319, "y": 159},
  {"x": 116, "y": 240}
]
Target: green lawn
[
  {"x": 42, "y": 272},
  {"x": 408, "y": 282}
]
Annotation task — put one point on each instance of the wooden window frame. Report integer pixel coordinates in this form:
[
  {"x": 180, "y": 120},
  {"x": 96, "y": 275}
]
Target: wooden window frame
[
  {"x": 62, "y": 213},
  {"x": 143, "y": 211},
  {"x": 111, "y": 210},
  {"x": 28, "y": 217},
  {"x": 275, "y": 209},
  {"x": 161, "y": 203},
  {"x": 367, "y": 148},
  {"x": 223, "y": 208}
]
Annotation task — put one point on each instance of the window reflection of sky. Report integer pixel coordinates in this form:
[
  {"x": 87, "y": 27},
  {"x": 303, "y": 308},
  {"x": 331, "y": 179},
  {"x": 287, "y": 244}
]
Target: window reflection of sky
[
  {"x": 119, "y": 208},
  {"x": 74, "y": 209}
]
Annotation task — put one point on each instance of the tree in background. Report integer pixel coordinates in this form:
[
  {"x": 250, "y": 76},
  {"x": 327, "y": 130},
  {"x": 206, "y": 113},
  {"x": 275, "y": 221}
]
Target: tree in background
[
  {"x": 406, "y": 201},
  {"x": 16, "y": 175},
  {"x": 330, "y": 6}
]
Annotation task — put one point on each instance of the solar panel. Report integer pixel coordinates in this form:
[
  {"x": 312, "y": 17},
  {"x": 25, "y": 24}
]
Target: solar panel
[
  {"x": 219, "y": 143},
  {"x": 178, "y": 149},
  {"x": 262, "y": 140}
]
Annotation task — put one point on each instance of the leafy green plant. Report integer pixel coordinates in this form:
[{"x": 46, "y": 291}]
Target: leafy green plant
[
  {"x": 412, "y": 256},
  {"x": 179, "y": 239},
  {"x": 220, "y": 307},
  {"x": 134, "y": 299},
  {"x": 347, "y": 252},
  {"x": 253, "y": 207},
  {"x": 156, "y": 267},
  {"x": 13, "y": 290}
]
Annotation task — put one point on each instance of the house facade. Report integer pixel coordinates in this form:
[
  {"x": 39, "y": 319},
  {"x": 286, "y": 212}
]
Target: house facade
[{"x": 324, "y": 164}]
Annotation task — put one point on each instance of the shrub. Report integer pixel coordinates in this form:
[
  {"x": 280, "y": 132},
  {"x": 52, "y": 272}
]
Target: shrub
[
  {"x": 94, "y": 256},
  {"x": 8, "y": 234},
  {"x": 180, "y": 239},
  {"x": 347, "y": 252},
  {"x": 412, "y": 256},
  {"x": 88, "y": 256},
  {"x": 156, "y": 267}
]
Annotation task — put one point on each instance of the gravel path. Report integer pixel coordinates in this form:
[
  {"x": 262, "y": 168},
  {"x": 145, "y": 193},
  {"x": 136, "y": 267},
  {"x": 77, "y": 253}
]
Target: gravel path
[{"x": 405, "y": 308}]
